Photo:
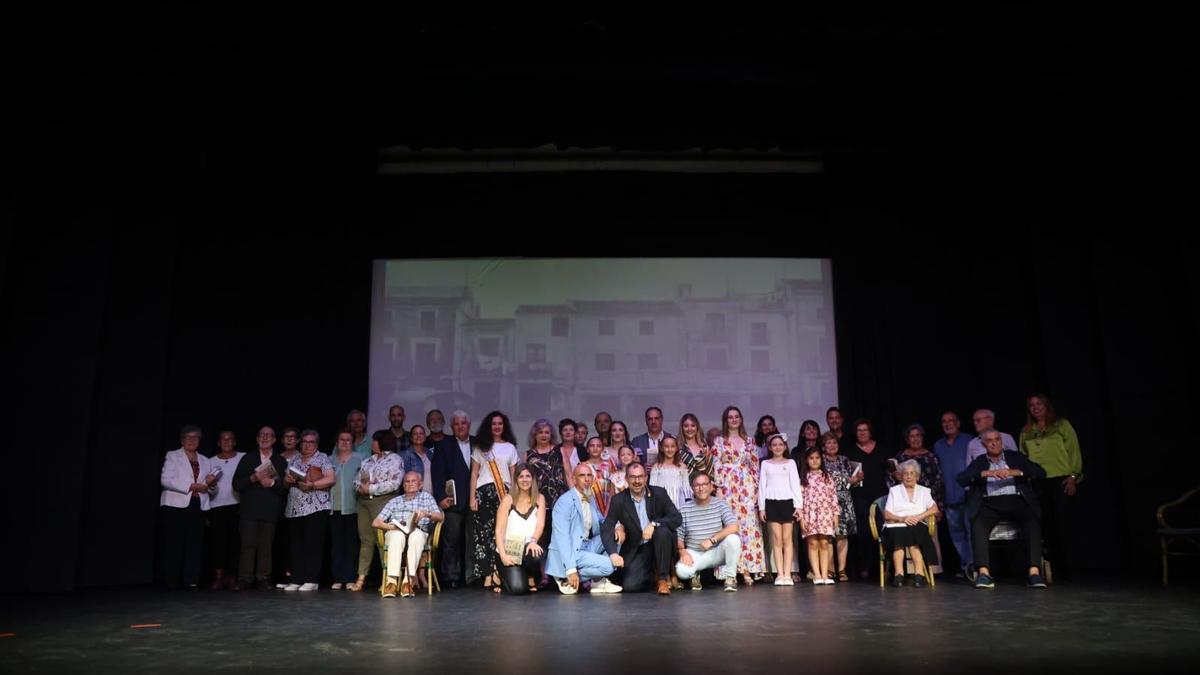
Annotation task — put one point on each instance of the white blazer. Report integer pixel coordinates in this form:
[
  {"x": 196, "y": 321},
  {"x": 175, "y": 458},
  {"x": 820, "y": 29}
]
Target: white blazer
[{"x": 177, "y": 478}]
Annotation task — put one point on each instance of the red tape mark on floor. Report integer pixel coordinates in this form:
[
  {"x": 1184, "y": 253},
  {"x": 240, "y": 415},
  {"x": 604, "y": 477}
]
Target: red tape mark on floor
[
  {"x": 4, "y": 635},
  {"x": 146, "y": 625}
]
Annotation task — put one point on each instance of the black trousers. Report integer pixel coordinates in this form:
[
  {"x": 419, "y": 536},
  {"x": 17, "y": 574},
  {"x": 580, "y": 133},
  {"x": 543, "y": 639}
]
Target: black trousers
[
  {"x": 224, "y": 542},
  {"x": 513, "y": 578},
  {"x": 454, "y": 548},
  {"x": 343, "y": 533},
  {"x": 258, "y": 544},
  {"x": 867, "y": 550},
  {"x": 1014, "y": 509},
  {"x": 307, "y": 538},
  {"x": 650, "y": 562},
  {"x": 1050, "y": 496},
  {"x": 183, "y": 544}
]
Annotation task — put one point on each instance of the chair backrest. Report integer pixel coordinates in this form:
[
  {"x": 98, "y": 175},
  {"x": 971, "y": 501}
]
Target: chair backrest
[{"x": 875, "y": 515}]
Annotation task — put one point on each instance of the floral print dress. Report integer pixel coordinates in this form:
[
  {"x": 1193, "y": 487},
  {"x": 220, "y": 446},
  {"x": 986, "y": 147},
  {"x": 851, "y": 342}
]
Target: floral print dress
[
  {"x": 737, "y": 478},
  {"x": 820, "y": 504}
]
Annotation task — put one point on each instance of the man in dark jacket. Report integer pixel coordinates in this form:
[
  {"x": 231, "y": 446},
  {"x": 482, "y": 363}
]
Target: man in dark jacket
[
  {"x": 262, "y": 494},
  {"x": 451, "y": 464},
  {"x": 648, "y": 521},
  {"x": 1000, "y": 489}
]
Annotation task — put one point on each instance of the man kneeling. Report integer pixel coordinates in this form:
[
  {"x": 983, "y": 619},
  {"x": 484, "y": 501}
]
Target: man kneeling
[
  {"x": 708, "y": 536},
  {"x": 651, "y": 516},
  {"x": 576, "y": 552}
]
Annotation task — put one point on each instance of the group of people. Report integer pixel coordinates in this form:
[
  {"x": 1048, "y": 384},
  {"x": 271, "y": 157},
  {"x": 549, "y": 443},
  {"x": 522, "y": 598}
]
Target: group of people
[{"x": 608, "y": 512}]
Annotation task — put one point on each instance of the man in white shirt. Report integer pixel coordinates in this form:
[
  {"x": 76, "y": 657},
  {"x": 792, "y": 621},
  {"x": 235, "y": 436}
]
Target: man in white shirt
[
  {"x": 450, "y": 467},
  {"x": 985, "y": 420},
  {"x": 646, "y": 445}
]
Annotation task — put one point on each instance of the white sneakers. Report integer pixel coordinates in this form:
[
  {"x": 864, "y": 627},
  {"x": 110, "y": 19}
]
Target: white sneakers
[
  {"x": 605, "y": 586},
  {"x": 823, "y": 582},
  {"x": 291, "y": 587},
  {"x": 309, "y": 587},
  {"x": 564, "y": 587}
]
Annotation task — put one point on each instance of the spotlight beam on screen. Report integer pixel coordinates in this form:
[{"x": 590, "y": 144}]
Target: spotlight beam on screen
[{"x": 559, "y": 338}]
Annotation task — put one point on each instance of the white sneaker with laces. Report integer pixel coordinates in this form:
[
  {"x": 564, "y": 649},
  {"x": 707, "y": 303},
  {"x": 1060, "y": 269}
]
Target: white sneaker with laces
[
  {"x": 292, "y": 587},
  {"x": 309, "y": 587},
  {"x": 564, "y": 587},
  {"x": 605, "y": 586}
]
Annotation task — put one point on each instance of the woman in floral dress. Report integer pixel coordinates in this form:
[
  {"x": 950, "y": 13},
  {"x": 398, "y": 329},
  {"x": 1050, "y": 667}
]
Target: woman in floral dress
[
  {"x": 839, "y": 467},
  {"x": 736, "y": 460}
]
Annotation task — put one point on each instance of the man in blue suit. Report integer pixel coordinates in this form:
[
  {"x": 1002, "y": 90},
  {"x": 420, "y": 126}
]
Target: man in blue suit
[
  {"x": 576, "y": 551},
  {"x": 451, "y": 463}
]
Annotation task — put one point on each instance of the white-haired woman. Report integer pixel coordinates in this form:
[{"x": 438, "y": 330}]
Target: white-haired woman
[{"x": 908, "y": 506}]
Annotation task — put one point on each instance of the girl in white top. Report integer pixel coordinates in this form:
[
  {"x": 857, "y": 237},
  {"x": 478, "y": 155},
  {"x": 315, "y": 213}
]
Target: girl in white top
[
  {"x": 670, "y": 473},
  {"x": 519, "y": 524},
  {"x": 779, "y": 504}
]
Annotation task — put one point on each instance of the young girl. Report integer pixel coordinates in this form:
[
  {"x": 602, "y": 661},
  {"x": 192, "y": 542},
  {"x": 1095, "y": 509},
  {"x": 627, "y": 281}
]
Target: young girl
[
  {"x": 628, "y": 456},
  {"x": 819, "y": 515},
  {"x": 603, "y": 469},
  {"x": 780, "y": 503}
]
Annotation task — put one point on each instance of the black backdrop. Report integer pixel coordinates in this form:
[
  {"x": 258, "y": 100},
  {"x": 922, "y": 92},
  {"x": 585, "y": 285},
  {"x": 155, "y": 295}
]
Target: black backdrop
[{"x": 191, "y": 243}]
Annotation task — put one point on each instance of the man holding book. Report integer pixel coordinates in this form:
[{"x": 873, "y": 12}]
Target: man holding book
[
  {"x": 259, "y": 481},
  {"x": 407, "y": 521}
]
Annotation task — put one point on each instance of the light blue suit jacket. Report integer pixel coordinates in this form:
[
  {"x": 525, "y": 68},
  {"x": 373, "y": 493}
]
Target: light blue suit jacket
[{"x": 567, "y": 535}]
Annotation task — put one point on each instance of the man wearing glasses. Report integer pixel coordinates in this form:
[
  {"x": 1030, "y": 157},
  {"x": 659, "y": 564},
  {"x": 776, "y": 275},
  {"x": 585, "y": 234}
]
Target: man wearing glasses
[{"x": 259, "y": 481}]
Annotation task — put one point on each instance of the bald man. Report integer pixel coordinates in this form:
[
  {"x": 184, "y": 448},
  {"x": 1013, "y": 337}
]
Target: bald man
[{"x": 576, "y": 552}]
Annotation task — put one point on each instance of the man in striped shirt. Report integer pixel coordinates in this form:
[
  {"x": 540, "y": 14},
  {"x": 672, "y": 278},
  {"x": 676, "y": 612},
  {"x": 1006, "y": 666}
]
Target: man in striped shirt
[{"x": 708, "y": 537}]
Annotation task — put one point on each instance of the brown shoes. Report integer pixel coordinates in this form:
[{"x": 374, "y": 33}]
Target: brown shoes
[
  {"x": 664, "y": 587},
  {"x": 389, "y": 588},
  {"x": 406, "y": 589}
]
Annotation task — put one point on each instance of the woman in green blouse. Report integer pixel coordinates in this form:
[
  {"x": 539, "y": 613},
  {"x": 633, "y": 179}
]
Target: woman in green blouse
[{"x": 1050, "y": 441}]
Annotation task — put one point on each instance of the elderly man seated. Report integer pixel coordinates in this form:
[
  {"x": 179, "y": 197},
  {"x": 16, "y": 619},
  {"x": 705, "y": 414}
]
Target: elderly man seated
[
  {"x": 708, "y": 536},
  {"x": 1000, "y": 489},
  {"x": 576, "y": 551},
  {"x": 407, "y": 521}
]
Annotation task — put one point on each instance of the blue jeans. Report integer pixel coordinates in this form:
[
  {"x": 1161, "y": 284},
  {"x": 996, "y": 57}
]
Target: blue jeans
[{"x": 960, "y": 533}]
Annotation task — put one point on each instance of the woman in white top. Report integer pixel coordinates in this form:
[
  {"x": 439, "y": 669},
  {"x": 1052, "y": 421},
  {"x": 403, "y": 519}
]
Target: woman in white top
[
  {"x": 520, "y": 520},
  {"x": 908, "y": 507},
  {"x": 186, "y": 480},
  {"x": 492, "y": 462},
  {"x": 779, "y": 503},
  {"x": 224, "y": 542}
]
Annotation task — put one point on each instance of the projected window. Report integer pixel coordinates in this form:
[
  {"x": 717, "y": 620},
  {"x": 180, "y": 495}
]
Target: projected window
[
  {"x": 489, "y": 347},
  {"x": 558, "y": 326},
  {"x": 539, "y": 338}
]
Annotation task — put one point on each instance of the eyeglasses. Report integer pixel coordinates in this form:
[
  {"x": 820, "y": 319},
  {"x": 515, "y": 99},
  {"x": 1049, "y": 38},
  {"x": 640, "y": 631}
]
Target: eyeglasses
[{"x": 308, "y": 442}]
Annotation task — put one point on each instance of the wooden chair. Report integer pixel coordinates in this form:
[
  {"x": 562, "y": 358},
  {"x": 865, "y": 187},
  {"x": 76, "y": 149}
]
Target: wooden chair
[
  {"x": 427, "y": 560},
  {"x": 875, "y": 520},
  {"x": 1183, "y": 540}
]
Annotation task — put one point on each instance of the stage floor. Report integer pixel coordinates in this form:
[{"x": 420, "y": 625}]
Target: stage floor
[{"x": 1084, "y": 626}]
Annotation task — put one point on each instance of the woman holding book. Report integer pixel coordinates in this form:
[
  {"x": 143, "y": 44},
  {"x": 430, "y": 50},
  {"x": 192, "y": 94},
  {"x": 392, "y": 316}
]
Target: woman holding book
[
  {"x": 187, "y": 480},
  {"x": 843, "y": 472},
  {"x": 520, "y": 521},
  {"x": 309, "y": 476}
]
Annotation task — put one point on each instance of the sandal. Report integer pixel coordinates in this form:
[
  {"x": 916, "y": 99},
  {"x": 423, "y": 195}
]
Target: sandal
[
  {"x": 842, "y": 576},
  {"x": 357, "y": 585},
  {"x": 747, "y": 579}
]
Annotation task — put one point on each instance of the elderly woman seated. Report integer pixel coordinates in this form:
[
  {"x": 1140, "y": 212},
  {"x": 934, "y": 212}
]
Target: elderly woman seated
[{"x": 905, "y": 528}]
